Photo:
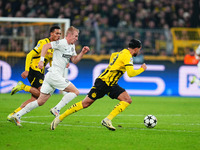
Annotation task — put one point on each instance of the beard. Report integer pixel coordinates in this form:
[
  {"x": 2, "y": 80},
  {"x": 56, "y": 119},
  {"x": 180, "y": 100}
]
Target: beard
[{"x": 134, "y": 55}]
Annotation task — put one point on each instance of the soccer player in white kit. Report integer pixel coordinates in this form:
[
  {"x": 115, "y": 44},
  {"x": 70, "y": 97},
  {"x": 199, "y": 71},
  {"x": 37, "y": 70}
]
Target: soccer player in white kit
[
  {"x": 64, "y": 50},
  {"x": 197, "y": 55}
]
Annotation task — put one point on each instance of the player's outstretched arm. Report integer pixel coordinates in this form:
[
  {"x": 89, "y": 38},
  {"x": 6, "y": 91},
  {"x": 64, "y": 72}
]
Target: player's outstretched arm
[
  {"x": 43, "y": 53},
  {"x": 144, "y": 66},
  {"x": 131, "y": 72},
  {"x": 29, "y": 58},
  {"x": 76, "y": 59}
]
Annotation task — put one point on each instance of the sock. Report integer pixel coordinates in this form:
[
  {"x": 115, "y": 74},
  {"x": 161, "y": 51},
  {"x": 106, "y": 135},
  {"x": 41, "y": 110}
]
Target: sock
[
  {"x": 74, "y": 108},
  {"x": 118, "y": 109},
  {"x": 27, "y": 88},
  {"x": 15, "y": 111},
  {"x": 23, "y": 86},
  {"x": 27, "y": 108},
  {"x": 65, "y": 100}
]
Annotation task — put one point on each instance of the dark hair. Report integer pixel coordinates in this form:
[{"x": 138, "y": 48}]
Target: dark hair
[
  {"x": 53, "y": 28},
  {"x": 191, "y": 50},
  {"x": 134, "y": 44}
]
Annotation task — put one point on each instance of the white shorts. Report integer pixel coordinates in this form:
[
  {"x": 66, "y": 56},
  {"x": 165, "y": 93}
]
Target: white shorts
[{"x": 54, "y": 81}]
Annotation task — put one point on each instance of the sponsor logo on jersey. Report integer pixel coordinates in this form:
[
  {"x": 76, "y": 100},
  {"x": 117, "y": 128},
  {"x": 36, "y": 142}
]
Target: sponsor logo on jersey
[
  {"x": 94, "y": 95},
  {"x": 40, "y": 81},
  {"x": 66, "y": 56}
]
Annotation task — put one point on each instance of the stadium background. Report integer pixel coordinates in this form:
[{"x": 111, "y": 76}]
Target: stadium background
[{"x": 167, "y": 29}]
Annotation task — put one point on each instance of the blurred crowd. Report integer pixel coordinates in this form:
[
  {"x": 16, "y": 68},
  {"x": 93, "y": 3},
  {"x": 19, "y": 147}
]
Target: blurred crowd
[
  {"x": 110, "y": 16},
  {"x": 108, "y": 13}
]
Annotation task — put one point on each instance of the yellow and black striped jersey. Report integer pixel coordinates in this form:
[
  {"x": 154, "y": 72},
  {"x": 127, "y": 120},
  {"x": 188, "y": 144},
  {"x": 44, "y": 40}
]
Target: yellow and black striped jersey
[
  {"x": 33, "y": 57},
  {"x": 117, "y": 67}
]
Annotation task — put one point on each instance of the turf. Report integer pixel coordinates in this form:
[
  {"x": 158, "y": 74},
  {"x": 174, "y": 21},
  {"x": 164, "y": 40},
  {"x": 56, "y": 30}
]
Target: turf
[{"x": 178, "y": 125}]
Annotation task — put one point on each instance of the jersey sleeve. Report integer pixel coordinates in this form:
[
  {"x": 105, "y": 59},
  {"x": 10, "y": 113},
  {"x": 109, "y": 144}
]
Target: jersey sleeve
[
  {"x": 74, "y": 51},
  {"x": 29, "y": 57},
  {"x": 128, "y": 62},
  {"x": 34, "y": 52},
  {"x": 131, "y": 72},
  {"x": 55, "y": 45},
  {"x": 38, "y": 47}
]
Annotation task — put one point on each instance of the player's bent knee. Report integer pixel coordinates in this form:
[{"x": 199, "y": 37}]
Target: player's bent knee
[
  {"x": 125, "y": 97},
  {"x": 129, "y": 101},
  {"x": 86, "y": 103},
  {"x": 77, "y": 92},
  {"x": 40, "y": 103}
]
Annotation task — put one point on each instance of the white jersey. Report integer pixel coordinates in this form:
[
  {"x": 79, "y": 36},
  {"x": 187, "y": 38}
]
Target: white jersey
[
  {"x": 61, "y": 55},
  {"x": 197, "y": 57},
  {"x": 198, "y": 50}
]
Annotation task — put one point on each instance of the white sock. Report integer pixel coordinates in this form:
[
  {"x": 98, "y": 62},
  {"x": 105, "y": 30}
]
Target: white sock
[
  {"x": 27, "y": 108},
  {"x": 65, "y": 100}
]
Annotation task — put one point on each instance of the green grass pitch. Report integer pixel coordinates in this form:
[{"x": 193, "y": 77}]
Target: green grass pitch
[{"x": 178, "y": 125}]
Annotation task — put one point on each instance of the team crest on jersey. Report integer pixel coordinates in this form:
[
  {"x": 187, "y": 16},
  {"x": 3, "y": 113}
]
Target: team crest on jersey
[
  {"x": 72, "y": 49},
  {"x": 94, "y": 95},
  {"x": 131, "y": 60},
  {"x": 40, "y": 81},
  {"x": 66, "y": 80},
  {"x": 57, "y": 42}
]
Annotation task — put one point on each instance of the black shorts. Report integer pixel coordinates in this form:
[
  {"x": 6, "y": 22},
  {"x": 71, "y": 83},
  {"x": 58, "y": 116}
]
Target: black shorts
[
  {"x": 35, "y": 78},
  {"x": 100, "y": 89}
]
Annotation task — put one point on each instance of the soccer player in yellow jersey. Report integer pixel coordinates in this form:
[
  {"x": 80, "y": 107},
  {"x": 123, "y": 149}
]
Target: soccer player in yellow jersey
[
  {"x": 106, "y": 83},
  {"x": 32, "y": 72}
]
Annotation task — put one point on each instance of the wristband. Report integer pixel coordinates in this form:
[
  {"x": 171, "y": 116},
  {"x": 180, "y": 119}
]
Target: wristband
[{"x": 41, "y": 58}]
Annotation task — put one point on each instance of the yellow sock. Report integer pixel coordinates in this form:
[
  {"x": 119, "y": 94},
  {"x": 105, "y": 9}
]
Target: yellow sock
[
  {"x": 27, "y": 88},
  {"x": 74, "y": 108},
  {"x": 16, "y": 110},
  {"x": 11, "y": 114},
  {"x": 118, "y": 109},
  {"x": 23, "y": 86}
]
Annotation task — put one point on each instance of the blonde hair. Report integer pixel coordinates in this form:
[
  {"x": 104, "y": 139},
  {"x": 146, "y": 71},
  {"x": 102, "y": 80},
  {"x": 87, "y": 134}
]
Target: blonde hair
[{"x": 71, "y": 30}]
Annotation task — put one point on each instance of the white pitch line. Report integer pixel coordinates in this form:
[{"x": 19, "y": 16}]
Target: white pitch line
[
  {"x": 99, "y": 126},
  {"x": 191, "y": 124},
  {"x": 86, "y": 126},
  {"x": 164, "y": 115},
  {"x": 120, "y": 123},
  {"x": 32, "y": 122}
]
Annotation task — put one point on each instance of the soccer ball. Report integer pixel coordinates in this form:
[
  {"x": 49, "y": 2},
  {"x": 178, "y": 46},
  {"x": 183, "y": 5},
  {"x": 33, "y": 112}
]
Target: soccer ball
[{"x": 150, "y": 121}]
